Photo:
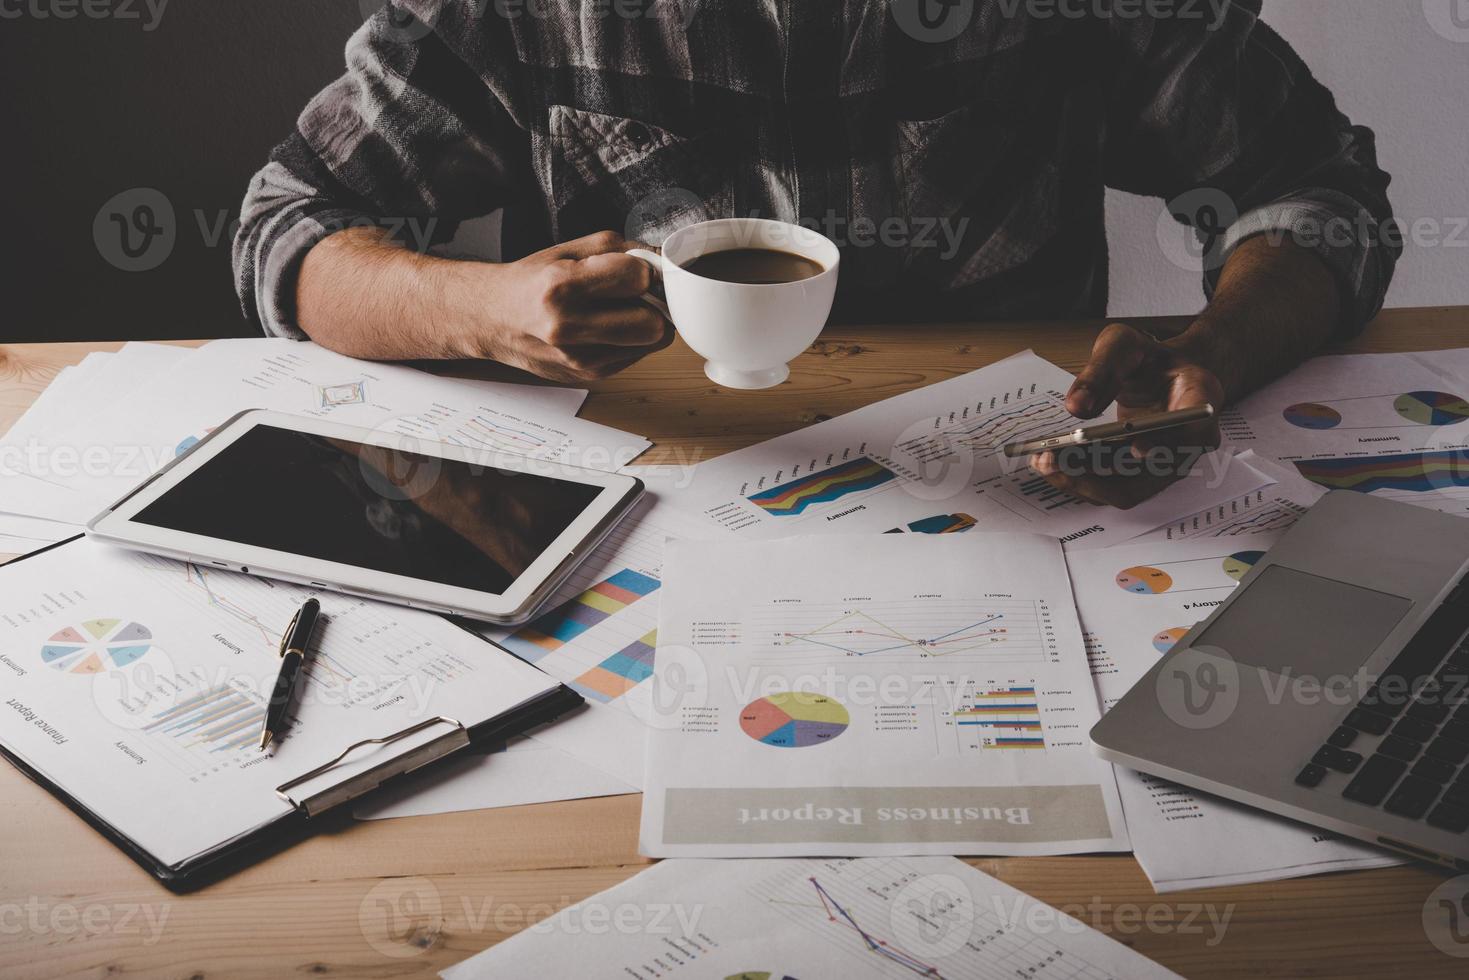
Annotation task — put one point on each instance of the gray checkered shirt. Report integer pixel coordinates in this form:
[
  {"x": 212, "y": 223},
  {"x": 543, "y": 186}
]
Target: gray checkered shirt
[{"x": 957, "y": 150}]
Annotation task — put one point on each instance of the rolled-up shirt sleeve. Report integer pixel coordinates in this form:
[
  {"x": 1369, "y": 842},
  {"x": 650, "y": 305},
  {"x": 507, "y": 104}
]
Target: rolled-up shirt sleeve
[
  {"x": 1220, "y": 112},
  {"x": 409, "y": 139}
]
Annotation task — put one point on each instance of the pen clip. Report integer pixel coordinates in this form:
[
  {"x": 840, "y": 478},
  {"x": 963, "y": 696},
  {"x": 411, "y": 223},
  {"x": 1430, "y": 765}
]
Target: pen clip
[{"x": 290, "y": 629}]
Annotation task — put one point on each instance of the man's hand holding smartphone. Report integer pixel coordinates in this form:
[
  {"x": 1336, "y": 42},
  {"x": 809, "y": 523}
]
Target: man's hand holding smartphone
[{"x": 1144, "y": 377}]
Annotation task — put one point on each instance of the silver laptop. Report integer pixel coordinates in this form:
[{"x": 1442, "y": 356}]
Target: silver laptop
[{"x": 1330, "y": 687}]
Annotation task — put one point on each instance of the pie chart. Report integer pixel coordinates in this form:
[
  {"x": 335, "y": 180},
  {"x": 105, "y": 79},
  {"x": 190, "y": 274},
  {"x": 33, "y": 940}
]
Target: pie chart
[
  {"x": 1431, "y": 407},
  {"x": 96, "y": 645},
  {"x": 1309, "y": 415},
  {"x": 1164, "y": 641},
  {"x": 1144, "y": 580},
  {"x": 794, "y": 719},
  {"x": 1237, "y": 565}
]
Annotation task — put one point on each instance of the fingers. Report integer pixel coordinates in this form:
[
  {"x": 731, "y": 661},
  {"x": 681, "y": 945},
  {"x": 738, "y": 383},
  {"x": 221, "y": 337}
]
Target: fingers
[
  {"x": 1188, "y": 387},
  {"x": 1120, "y": 351},
  {"x": 620, "y": 325},
  {"x": 589, "y": 245},
  {"x": 593, "y": 363},
  {"x": 611, "y": 275}
]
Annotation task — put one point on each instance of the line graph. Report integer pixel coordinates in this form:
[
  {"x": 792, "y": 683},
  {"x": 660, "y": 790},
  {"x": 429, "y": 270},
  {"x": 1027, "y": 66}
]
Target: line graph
[
  {"x": 488, "y": 433},
  {"x": 361, "y": 650},
  {"x": 837, "y": 913},
  {"x": 896, "y": 918},
  {"x": 930, "y": 628},
  {"x": 845, "y": 634}
]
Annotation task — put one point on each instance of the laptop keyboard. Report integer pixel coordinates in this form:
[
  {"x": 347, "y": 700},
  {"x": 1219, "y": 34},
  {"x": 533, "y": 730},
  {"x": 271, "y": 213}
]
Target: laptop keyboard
[{"x": 1417, "y": 714}]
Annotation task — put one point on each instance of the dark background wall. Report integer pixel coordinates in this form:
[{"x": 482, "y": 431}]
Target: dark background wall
[{"x": 187, "y": 103}]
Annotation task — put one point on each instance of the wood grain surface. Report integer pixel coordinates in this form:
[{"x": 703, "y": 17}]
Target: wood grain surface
[{"x": 408, "y": 897}]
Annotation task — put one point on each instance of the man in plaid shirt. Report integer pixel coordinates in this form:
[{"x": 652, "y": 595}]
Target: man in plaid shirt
[{"x": 957, "y": 151}]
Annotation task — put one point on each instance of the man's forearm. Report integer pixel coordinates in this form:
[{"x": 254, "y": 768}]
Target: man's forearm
[
  {"x": 361, "y": 294},
  {"x": 1275, "y": 305}
]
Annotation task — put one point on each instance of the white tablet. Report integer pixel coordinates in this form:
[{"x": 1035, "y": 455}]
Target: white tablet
[{"x": 423, "y": 524}]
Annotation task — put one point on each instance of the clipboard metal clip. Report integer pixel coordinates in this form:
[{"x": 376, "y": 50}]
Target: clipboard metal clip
[{"x": 369, "y": 779}]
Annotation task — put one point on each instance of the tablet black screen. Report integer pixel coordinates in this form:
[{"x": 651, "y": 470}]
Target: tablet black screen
[{"x": 465, "y": 524}]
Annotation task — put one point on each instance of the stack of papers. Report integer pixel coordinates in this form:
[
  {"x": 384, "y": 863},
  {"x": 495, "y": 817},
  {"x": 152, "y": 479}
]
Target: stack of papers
[
  {"x": 107, "y": 424},
  {"x": 814, "y": 555}
]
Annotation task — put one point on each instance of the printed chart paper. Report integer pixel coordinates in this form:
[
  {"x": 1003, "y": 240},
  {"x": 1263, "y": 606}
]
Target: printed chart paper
[
  {"x": 899, "y": 918},
  {"x": 931, "y": 461},
  {"x": 1275, "y": 506},
  {"x": 1136, "y": 601},
  {"x": 1393, "y": 425},
  {"x": 874, "y": 694},
  {"x": 139, "y": 685}
]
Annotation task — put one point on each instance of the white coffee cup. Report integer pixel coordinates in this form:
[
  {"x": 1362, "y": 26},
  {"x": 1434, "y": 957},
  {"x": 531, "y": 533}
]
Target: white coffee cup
[{"x": 747, "y": 332}]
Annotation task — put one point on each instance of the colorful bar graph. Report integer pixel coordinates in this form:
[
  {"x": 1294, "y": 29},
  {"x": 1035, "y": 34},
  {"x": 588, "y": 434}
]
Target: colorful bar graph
[
  {"x": 621, "y": 672},
  {"x": 791, "y": 499},
  {"x": 938, "y": 524},
  {"x": 1011, "y": 716},
  {"x": 222, "y": 718},
  {"x": 574, "y": 617}
]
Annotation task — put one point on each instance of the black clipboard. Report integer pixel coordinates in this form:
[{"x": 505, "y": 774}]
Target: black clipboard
[{"x": 322, "y": 812}]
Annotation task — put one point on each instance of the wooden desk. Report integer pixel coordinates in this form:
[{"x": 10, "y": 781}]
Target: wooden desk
[{"x": 72, "y": 905}]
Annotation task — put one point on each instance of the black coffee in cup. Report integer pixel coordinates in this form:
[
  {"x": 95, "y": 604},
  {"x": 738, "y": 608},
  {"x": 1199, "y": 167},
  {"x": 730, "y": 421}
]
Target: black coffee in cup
[{"x": 754, "y": 266}]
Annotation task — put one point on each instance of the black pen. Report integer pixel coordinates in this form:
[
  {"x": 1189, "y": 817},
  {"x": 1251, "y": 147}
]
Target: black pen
[{"x": 293, "y": 656}]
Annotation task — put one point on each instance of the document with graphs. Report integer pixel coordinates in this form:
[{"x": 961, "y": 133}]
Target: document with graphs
[
  {"x": 1392, "y": 425},
  {"x": 873, "y": 695},
  {"x": 930, "y": 461},
  {"x": 137, "y": 686},
  {"x": 1135, "y": 602},
  {"x": 895, "y": 918}
]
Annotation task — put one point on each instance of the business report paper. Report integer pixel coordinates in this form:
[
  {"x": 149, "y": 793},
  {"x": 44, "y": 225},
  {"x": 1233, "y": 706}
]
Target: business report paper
[
  {"x": 931, "y": 461},
  {"x": 933, "y": 917},
  {"x": 138, "y": 684},
  {"x": 873, "y": 695},
  {"x": 1392, "y": 425},
  {"x": 1135, "y": 602}
]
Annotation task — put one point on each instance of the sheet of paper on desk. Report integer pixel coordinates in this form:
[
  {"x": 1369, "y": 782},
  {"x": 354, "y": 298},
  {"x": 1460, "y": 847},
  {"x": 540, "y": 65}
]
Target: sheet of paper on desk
[
  {"x": 782, "y": 919},
  {"x": 1182, "y": 838},
  {"x": 186, "y": 403},
  {"x": 928, "y": 460},
  {"x": 138, "y": 684},
  {"x": 598, "y": 634},
  {"x": 873, "y": 695},
  {"x": 97, "y": 385},
  {"x": 1394, "y": 425},
  {"x": 1273, "y": 507},
  {"x": 526, "y": 771}
]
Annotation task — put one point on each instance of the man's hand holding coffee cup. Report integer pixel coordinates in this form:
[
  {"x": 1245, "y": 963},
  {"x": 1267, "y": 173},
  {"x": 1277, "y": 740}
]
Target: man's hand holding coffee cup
[{"x": 570, "y": 312}]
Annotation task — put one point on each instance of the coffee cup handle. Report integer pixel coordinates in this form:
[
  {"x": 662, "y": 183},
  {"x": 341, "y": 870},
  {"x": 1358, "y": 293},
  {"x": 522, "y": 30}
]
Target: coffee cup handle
[{"x": 655, "y": 262}]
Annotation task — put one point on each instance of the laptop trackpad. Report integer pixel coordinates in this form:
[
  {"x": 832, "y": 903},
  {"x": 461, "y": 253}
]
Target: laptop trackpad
[{"x": 1293, "y": 622}]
